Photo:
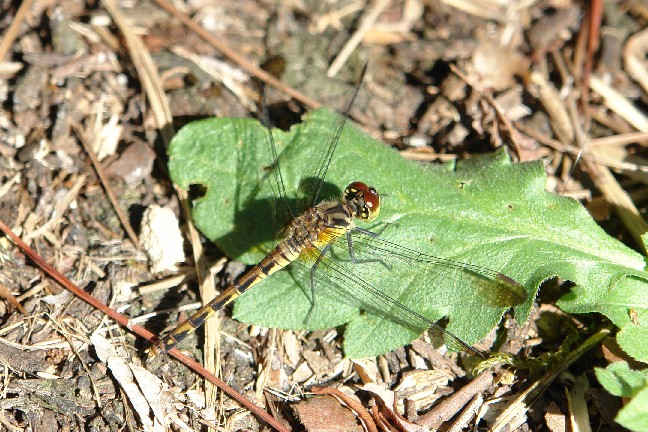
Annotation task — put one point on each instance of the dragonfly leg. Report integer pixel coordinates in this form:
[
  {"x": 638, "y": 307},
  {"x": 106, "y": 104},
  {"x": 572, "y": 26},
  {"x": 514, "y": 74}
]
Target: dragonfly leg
[
  {"x": 350, "y": 244},
  {"x": 372, "y": 233},
  {"x": 354, "y": 260},
  {"x": 313, "y": 268}
]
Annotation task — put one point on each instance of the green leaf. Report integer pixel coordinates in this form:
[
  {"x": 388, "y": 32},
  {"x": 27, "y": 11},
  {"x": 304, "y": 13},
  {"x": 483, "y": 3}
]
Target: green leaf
[
  {"x": 622, "y": 381},
  {"x": 619, "y": 302},
  {"x": 484, "y": 211},
  {"x": 634, "y": 415},
  {"x": 632, "y": 338}
]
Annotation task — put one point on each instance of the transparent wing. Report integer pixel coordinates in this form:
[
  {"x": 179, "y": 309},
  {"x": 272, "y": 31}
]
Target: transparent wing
[
  {"x": 283, "y": 214},
  {"x": 491, "y": 287},
  {"x": 378, "y": 276},
  {"x": 315, "y": 187}
]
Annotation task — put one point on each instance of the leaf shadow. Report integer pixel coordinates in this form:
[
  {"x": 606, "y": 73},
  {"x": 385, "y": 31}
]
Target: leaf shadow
[{"x": 259, "y": 221}]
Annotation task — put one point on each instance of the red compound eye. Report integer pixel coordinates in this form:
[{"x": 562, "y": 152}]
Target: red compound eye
[
  {"x": 372, "y": 198},
  {"x": 369, "y": 196}
]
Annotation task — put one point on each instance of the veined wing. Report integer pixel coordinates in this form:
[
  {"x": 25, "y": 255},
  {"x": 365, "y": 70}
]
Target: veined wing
[
  {"x": 492, "y": 287},
  {"x": 408, "y": 288},
  {"x": 317, "y": 175},
  {"x": 314, "y": 189}
]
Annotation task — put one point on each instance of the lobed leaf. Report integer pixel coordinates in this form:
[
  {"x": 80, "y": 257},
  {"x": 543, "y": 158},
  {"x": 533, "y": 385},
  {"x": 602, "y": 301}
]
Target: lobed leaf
[{"x": 484, "y": 211}]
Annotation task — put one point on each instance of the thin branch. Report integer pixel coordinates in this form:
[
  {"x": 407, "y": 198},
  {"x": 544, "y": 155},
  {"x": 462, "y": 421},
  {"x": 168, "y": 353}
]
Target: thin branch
[{"x": 138, "y": 330}]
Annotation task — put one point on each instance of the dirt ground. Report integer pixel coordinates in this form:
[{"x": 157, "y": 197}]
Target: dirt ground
[{"x": 91, "y": 93}]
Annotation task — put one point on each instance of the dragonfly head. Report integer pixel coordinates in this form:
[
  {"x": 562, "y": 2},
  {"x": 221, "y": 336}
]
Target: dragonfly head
[{"x": 365, "y": 198}]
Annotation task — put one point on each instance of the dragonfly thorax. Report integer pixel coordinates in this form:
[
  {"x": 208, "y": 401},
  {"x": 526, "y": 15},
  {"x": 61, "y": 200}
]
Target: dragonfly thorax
[
  {"x": 363, "y": 199},
  {"x": 328, "y": 220}
]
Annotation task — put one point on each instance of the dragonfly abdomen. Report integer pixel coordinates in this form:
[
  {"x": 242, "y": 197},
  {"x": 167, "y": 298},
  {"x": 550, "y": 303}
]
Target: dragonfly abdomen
[{"x": 309, "y": 232}]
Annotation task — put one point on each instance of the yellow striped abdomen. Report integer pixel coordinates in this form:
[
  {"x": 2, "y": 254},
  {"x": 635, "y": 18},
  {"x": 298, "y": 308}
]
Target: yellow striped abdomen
[{"x": 306, "y": 236}]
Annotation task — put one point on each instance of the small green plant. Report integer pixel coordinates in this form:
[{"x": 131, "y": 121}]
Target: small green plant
[{"x": 624, "y": 382}]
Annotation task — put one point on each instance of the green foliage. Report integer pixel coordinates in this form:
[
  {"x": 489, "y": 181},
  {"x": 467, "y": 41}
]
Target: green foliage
[
  {"x": 622, "y": 381},
  {"x": 632, "y": 338},
  {"x": 484, "y": 211}
]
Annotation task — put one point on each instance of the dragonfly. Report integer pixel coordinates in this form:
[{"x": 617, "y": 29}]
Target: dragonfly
[{"x": 311, "y": 237}]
